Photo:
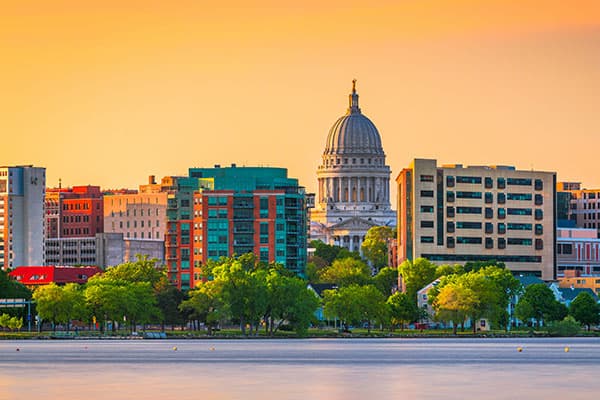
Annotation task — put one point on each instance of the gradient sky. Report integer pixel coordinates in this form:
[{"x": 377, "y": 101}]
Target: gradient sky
[{"x": 110, "y": 93}]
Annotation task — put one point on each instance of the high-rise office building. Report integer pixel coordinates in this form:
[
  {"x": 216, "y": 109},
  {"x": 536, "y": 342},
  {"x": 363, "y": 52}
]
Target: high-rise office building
[{"x": 455, "y": 214}]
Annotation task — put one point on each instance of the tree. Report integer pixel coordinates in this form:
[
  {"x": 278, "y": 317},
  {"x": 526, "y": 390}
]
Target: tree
[
  {"x": 59, "y": 304},
  {"x": 244, "y": 290},
  {"x": 585, "y": 309},
  {"x": 4, "y": 320},
  {"x": 345, "y": 272},
  {"x": 416, "y": 275},
  {"x": 314, "y": 268},
  {"x": 402, "y": 309},
  {"x": 477, "y": 265},
  {"x": 446, "y": 269},
  {"x": 11, "y": 289},
  {"x": 15, "y": 323},
  {"x": 329, "y": 253},
  {"x": 356, "y": 304},
  {"x": 144, "y": 269},
  {"x": 289, "y": 300},
  {"x": 386, "y": 280},
  {"x": 168, "y": 299},
  {"x": 375, "y": 246},
  {"x": 538, "y": 303},
  {"x": 454, "y": 302},
  {"x": 206, "y": 305}
]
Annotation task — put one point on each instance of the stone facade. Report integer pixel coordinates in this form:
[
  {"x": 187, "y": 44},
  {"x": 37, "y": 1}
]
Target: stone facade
[{"x": 353, "y": 182}]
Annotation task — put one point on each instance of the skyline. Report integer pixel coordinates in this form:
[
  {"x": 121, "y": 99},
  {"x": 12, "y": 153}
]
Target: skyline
[{"x": 167, "y": 87}]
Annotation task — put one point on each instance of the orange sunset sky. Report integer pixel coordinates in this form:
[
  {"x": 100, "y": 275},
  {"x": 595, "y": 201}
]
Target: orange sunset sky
[{"x": 108, "y": 92}]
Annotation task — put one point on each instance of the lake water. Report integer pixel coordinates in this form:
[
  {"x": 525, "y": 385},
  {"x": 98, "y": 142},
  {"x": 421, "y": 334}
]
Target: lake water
[{"x": 312, "y": 369}]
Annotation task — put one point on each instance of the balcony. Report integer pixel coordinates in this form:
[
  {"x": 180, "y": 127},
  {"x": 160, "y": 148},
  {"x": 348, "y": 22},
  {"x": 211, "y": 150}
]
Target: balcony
[{"x": 243, "y": 204}]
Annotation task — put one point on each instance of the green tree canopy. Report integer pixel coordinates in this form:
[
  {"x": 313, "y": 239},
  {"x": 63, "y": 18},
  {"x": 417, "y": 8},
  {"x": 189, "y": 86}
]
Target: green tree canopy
[
  {"x": 329, "y": 253},
  {"x": 345, "y": 272},
  {"x": 356, "y": 304},
  {"x": 11, "y": 289},
  {"x": 60, "y": 304},
  {"x": 206, "y": 305},
  {"x": 454, "y": 302},
  {"x": 403, "y": 309},
  {"x": 538, "y": 302},
  {"x": 416, "y": 275},
  {"x": 289, "y": 301},
  {"x": 375, "y": 246},
  {"x": 386, "y": 280},
  {"x": 585, "y": 309},
  {"x": 144, "y": 269}
]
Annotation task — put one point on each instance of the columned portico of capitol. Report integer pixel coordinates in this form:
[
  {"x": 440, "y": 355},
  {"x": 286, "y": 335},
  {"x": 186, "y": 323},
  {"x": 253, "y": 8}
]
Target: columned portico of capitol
[{"x": 353, "y": 182}]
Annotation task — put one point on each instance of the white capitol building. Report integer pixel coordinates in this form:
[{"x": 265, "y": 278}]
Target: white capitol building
[{"x": 353, "y": 182}]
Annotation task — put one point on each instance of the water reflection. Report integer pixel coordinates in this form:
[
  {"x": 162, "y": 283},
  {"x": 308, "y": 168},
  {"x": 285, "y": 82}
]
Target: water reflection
[{"x": 308, "y": 369}]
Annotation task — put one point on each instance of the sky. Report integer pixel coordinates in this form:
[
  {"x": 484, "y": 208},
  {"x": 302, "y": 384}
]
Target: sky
[{"x": 109, "y": 92}]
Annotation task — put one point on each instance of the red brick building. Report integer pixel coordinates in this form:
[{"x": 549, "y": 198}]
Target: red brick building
[{"x": 74, "y": 212}]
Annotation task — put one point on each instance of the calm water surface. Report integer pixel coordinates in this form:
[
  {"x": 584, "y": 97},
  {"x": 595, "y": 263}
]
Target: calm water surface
[{"x": 301, "y": 369}]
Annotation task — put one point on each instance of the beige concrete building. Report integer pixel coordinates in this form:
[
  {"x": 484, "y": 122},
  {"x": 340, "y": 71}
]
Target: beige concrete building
[
  {"x": 141, "y": 215},
  {"x": 454, "y": 214}
]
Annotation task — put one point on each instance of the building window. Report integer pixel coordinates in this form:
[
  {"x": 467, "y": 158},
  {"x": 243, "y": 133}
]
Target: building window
[
  {"x": 539, "y": 200},
  {"x": 518, "y": 211},
  {"x": 489, "y": 213},
  {"x": 539, "y": 244},
  {"x": 489, "y": 243},
  {"x": 450, "y": 212},
  {"x": 426, "y": 239},
  {"x": 518, "y": 227},
  {"x": 450, "y": 181},
  {"x": 539, "y": 184},
  {"x": 468, "y": 179},
  {"x": 519, "y": 196},
  {"x": 450, "y": 242},
  {"x": 468, "y": 240},
  {"x": 468, "y": 225},
  {"x": 426, "y": 224},
  {"x": 450, "y": 197},
  {"x": 426, "y": 178},
  {"x": 501, "y": 183},
  {"x": 426, "y": 209},
  {"x": 468, "y": 210},
  {"x": 489, "y": 197},
  {"x": 501, "y": 213},
  {"x": 489, "y": 227},
  {"x": 501, "y": 228},
  {"x": 519, "y": 181},
  {"x": 488, "y": 182},
  {"x": 539, "y": 229},
  {"x": 450, "y": 227},
  {"x": 468, "y": 195},
  {"x": 501, "y": 243},
  {"x": 426, "y": 193},
  {"x": 519, "y": 241},
  {"x": 539, "y": 214}
]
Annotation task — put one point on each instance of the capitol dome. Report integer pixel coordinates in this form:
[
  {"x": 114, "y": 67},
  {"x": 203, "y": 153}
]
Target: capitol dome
[{"x": 353, "y": 134}]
